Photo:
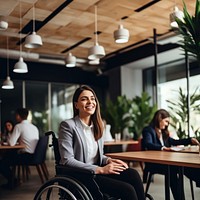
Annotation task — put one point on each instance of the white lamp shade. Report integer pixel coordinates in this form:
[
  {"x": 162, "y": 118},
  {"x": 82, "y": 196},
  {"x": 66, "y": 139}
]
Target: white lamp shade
[
  {"x": 20, "y": 66},
  {"x": 7, "y": 84},
  {"x": 176, "y": 14},
  {"x": 94, "y": 62},
  {"x": 33, "y": 41},
  {"x": 3, "y": 25},
  {"x": 121, "y": 35},
  {"x": 96, "y": 52},
  {"x": 70, "y": 60}
]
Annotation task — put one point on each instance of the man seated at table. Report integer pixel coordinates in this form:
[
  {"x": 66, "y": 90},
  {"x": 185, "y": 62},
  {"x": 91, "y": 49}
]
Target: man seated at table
[
  {"x": 156, "y": 137},
  {"x": 26, "y": 134}
]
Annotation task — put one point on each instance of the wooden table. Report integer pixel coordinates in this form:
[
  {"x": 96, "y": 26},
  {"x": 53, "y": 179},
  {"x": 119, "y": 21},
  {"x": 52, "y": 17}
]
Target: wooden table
[
  {"x": 120, "y": 142},
  {"x": 117, "y": 146},
  {"x": 162, "y": 157},
  {"x": 7, "y": 147}
]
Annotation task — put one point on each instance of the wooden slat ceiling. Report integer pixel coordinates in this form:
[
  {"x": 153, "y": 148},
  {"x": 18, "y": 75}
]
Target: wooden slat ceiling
[{"x": 72, "y": 27}]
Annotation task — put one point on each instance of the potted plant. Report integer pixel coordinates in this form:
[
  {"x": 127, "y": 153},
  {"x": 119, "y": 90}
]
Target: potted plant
[
  {"x": 189, "y": 29},
  {"x": 141, "y": 112},
  {"x": 132, "y": 114},
  {"x": 114, "y": 114},
  {"x": 179, "y": 113}
]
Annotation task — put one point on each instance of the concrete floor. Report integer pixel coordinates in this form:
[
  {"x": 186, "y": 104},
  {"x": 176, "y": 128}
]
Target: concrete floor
[{"x": 27, "y": 190}]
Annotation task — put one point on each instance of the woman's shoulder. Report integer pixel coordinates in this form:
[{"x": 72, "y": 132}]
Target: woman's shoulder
[
  {"x": 71, "y": 122},
  {"x": 147, "y": 128}
]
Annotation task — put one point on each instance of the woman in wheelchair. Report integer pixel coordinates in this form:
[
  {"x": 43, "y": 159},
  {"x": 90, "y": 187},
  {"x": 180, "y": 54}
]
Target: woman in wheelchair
[{"x": 81, "y": 146}]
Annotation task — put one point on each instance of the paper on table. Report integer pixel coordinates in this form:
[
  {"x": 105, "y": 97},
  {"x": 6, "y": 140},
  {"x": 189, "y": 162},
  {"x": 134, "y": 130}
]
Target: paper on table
[{"x": 177, "y": 148}]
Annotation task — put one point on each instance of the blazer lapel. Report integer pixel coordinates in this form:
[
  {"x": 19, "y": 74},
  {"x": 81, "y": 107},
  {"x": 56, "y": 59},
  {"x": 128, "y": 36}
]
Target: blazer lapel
[{"x": 80, "y": 133}]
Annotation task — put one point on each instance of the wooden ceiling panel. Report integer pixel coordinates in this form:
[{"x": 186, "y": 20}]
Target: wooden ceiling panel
[
  {"x": 82, "y": 5},
  {"x": 48, "y": 5},
  {"x": 75, "y": 23},
  {"x": 7, "y": 7}
]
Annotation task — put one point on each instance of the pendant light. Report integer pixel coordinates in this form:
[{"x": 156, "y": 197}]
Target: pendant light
[
  {"x": 174, "y": 15},
  {"x": 33, "y": 40},
  {"x": 121, "y": 35},
  {"x": 97, "y": 51},
  {"x": 7, "y": 84},
  {"x": 70, "y": 60},
  {"x": 3, "y": 25},
  {"x": 94, "y": 62},
  {"x": 20, "y": 66}
]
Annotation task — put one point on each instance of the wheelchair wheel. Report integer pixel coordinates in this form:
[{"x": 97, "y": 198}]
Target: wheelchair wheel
[{"x": 62, "y": 188}]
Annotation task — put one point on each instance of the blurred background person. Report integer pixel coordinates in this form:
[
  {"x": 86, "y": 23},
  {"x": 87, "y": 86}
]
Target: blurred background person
[
  {"x": 156, "y": 136},
  {"x": 26, "y": 134},
  {"x": 8, "y": 129}
]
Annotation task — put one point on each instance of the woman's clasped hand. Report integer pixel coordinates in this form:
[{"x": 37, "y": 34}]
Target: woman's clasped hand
[{"x": 114, "y": 166}]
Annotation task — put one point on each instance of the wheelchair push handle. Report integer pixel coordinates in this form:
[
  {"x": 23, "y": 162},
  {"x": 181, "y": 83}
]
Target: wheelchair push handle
[{"x": 50, "y": 133}]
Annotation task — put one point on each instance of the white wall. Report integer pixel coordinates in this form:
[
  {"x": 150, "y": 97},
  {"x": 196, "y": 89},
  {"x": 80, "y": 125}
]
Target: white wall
[{"x": 131, "y": 82}]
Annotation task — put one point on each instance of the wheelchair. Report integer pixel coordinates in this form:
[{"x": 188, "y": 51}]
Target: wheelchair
[{"x": 71, "y": 183}]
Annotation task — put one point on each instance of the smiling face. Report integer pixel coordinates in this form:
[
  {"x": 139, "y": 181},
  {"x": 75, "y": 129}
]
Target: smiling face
[
  {"x": 86, "y": 104},
  {"x": 163, "y": 123}
]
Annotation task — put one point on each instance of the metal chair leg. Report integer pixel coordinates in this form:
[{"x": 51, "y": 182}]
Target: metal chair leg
[{"x": 192, "y": 189}]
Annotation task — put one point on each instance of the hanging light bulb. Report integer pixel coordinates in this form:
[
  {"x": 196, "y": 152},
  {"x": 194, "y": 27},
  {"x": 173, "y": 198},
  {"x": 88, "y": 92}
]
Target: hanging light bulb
[
  {"x": 97, "y": 51},
  {"x": 20, "y": 66},
  {"x": 174, "y": 15},
  {"x": 33, "y": 40},
  {"x": 70, "y": 60},
  {"x": 121, "y": 35},
  {"x": 7, "y": 84}
]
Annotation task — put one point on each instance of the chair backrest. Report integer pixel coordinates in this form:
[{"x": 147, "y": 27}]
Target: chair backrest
[{"x": 39, "y": 155}]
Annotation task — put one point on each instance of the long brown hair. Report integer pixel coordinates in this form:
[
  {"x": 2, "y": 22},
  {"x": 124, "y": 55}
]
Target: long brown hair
[
  {"x": 155, "y": 122},
  {"x": 96, "y": 117}
]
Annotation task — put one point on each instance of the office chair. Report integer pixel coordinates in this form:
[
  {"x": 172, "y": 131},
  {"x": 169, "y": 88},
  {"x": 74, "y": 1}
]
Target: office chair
[{"x": 37, "y": 160}]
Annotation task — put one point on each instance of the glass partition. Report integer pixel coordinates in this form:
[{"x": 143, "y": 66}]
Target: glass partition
[
  {"x": 49, "y": 103},
  {"x": 61, "y": 103},
  {"x": 10, "y": 100}
]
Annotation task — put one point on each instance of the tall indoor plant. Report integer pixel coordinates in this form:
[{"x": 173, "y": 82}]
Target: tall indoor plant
[
  {"x": 141, "y": 112},
  {"x": 132, "y": 114},
  {"x": 178, "y": 112},
  {"x": 189, "y": 28},
  {"x": 114, "y": 114}
]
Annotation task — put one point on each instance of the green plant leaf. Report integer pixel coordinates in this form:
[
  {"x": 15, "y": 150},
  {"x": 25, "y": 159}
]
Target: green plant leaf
[{"x": 190, "y": 30}]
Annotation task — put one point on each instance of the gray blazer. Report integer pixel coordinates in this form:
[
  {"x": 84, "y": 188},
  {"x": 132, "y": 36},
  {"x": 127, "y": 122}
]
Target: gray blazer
[{"x": 73, "y": 148}]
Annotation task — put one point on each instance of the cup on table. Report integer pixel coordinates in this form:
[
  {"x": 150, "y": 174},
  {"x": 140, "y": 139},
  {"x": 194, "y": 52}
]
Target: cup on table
[{"x": 117, "y": 136}]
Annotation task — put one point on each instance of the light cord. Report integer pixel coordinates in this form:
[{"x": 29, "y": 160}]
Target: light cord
[
  {"x": 7, "y": 56},
  {"x": 95, "y": 16},
  {"x": 20, "y": 27},
  {"x": 33, "y": 18}
]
